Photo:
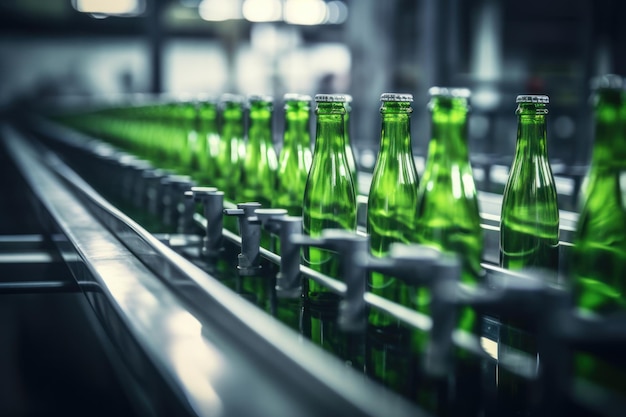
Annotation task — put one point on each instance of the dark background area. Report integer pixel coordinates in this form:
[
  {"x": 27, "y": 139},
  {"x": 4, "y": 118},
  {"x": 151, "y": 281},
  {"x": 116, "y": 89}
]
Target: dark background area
[{"x": 498, "y": 48}]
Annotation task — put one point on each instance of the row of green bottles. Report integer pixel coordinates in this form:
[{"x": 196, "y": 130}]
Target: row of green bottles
[
  {"x": 530, "y": 230},
  {"x": 207, "y": 138},
  {"x": 441, "y": 211}
]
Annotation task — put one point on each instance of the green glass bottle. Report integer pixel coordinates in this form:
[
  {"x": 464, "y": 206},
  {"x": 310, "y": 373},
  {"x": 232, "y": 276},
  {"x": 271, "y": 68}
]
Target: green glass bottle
[
  {"x": 172, "y": 136},
  {"x": 447, "y": 213},
  {"x": 599, "y": 255},
  {"x": 349, "y": 149},
  {"x": 329, "y": 202},
  {"x": 599, "y": 259},
  {"x": 329, "y": 197},
  {"x": 529, "y": 237},
  {"x": 152, "y": 117},
  {"x": 393, "y": 195},
  {"x": 448, "y": 219},
  {"x": 232, "y": 147},
  {"x": 260, "y": 164},
  {"x": 391, "y": 218},
  {"x": 529, "y": 223},
  {"x": 295, "y": 157},
  {"x": 187, "y": 119},
  {"x": 209, "y": 141}
]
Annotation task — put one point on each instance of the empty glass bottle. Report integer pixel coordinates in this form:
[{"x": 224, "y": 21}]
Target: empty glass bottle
[
  {"x": 599, "y": 261},
  {"x": 295, "y": 157},
  {"x": 186, "y": 123},
  {"x": 260, "y": 164},
  {"x": 599, "y": 255},
  {"x": 209, "y": 141},
  {"x": 329, "y": 197},
  {"x": 529, "y": 224},
  {"x": 391, "y": 218},
  {"x": 232, "y": 147},
  {"x": 529, "y": 237},
  {"x": 393, "y": 195},
  {"x": 329, "y": 202},
  {"x": 447, "y": 211},
  {"x": 448, "y": 219}
]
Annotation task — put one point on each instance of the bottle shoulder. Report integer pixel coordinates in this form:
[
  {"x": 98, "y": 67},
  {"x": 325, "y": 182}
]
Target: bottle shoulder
[{"x": 604, "y": 209}]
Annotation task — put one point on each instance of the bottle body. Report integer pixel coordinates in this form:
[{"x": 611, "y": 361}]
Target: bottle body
[
  {"x": 295, "y": 156},
  {"x": 447, "y": 212},
  {"x": 392, "y": 197},
  {"x": 448, "y": 219},
  {"x": 208, "y": 141},
  {"x": 187, "y": 124},
  {"x": 391, "y": 218},
  {"x": 599, "y": 261},
  {"x": 529, "y": 223},
  {"x": 529, "y": 238},
  {"x": 329, "y": 197},
  {"x": 599, "y": 255},
  {"x": 260, "y": 161},
  {"x": 232, "y": 147},
  {"x": 329, "y": 202}
]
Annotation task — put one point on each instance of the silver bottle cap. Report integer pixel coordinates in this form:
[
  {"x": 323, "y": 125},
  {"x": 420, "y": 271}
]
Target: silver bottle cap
[
  {"x": 607, "y": 82},
  {"x": 459, "y": 92},
  {"x": 396, "y": 97},
  {"x": 296, "y": 97},
  {"x": 530, "y": 98},
  {"x": 330, "y": 98},
  {"x": 232, "y": 98},
  {"x": 260, "y": 97}
]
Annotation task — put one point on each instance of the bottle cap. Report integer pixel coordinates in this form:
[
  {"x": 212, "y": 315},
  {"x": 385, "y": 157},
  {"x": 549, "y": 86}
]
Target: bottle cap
[
  {"x": 348, "y": 98},
  {"x": 330, "y": 98},
  {"x": 529, "y": 98},
  {"x": 296, "y": 97},
  {"x": 450, "y": 92},
  {"x": 607, "y": 81},
  {"x": 396, "y": 97},
  {"x": 260, "y": 97},
  {"x": 183, "y": 97},
  {"x": 206, "y": 98},
  {"x": 231, "y": 98}
]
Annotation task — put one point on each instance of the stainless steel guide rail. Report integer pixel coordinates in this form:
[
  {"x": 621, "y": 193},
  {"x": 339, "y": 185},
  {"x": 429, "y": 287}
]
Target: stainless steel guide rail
[{"x": 214, "y": 351}]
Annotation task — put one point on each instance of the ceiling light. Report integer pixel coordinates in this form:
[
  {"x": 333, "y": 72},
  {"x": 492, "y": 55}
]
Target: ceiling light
[
  {"x": 110, "y": 7},
  {"x": 220, "y": 10},
  {"x": 262, "y": 10},
  {"x": 305, "y": 12}
]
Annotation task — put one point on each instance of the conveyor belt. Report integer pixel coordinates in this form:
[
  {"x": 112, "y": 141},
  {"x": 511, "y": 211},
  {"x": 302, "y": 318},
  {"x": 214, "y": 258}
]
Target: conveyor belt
[{"x": 219, "y": 358}]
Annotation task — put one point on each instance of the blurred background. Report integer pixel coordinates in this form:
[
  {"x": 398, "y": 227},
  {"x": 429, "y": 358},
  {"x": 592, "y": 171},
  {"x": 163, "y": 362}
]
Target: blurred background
[{"x": 498, "y": 48}]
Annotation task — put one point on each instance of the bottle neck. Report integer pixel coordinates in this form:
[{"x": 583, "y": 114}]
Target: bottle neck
[
  {"x": 260, "y": 130},
  {"x": 233, "y": 123},
  {"x": 329, "y": 137},
  {"x": 297, "y": 128},
  {"x": 609, "y": 147},
  {"x": 207, "y": 119},
  {"x": 448, "y": 143},
  {"x": 396, "y": 134},
  {"x": 531, "y": 136}
]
